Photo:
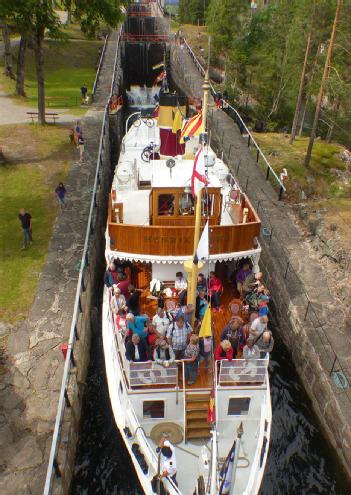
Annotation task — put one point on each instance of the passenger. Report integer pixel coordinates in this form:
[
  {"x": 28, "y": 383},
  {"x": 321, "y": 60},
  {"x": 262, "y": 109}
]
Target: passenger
[
  {"x": 161, "y": 322},
  {"x": 201, "y": 283},
  {"x": 181, "y": 286},
  {"x": 265, "y": 343},
  {"x": 163, "y": 352},
  {"x": 201, "y": 305},
  {"x": 177, "y": 336},
  {"x": 224, "y": 351},
  {"x": 205, "y": 348},
  {"x": 186, "y": 312},
  {"x": 118, "y": 301},
  {"x": 234, "y": 332},
  {"x": 258, "y": 326},
  {"x": 123, "y": 284},
  {"x": 133, "y": 303},
  {"x": 215, "y": 291},
  {"x": 242, "y": 275},
  {"x": 136, "y": 350},
  {"x": 121, "y": 322},
  {"x": 191, "y": 354},
  {"x": 137, "y": 325},
  {"x": 110, "y": 277},
  {"x": 152, "y": 336},
  {"x": 251, "y": 350},
  {"x": 168, "y": 460}
]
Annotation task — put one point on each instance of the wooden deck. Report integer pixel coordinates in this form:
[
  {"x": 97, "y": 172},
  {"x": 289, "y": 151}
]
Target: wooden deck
[{"x": 219, "y": 319}]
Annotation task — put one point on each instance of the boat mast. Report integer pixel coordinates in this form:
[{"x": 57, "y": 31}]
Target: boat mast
[{"x": 193, "y": 266}]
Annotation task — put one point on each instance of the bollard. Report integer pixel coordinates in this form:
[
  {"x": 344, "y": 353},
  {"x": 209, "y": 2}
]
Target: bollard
[
  {"x": 257, "y": 156},
  {"x": 249, "y": 141},
  {"x": 267, "y": 173},
  {"x": 64, "y": 349}
]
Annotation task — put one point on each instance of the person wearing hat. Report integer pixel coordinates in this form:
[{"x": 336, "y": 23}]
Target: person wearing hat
[
  {"x": 168, "y": 465},
  {"x": 163, "y": 352}
]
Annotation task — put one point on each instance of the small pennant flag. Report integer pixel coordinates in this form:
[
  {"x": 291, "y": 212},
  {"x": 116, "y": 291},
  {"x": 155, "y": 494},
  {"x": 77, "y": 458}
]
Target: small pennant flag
[
  {"x": 177, "y": 122},
  {"x": 211, "y": 414},
  {"x": 192, "y": 127},
  {"x": 202, "y": 252},
  {"x": 198, "y": 178}
]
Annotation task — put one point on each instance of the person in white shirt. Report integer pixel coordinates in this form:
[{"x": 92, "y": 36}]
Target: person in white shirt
[
  {"x": 251, "y": 350},
  {"x": 181, "y": 286},
  {"x": 161, "y": 322},
  {"x": 168, "y": 465},
  {"x": 118, "y": 301},
  {"x": 258, "y": 326}
]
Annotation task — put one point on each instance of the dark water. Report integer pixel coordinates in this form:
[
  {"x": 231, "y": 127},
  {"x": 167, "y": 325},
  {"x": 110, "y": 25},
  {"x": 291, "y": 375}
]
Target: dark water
[{"x": 299, "y": 462}]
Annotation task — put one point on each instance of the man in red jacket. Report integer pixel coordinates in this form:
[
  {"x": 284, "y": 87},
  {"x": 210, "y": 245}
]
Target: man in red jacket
[{"x": 215, "y": 290}]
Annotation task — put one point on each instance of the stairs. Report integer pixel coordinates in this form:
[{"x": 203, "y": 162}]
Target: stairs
[{"x": 196, "y": 409}]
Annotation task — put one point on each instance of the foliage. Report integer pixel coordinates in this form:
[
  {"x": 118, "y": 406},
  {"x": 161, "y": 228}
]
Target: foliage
[
  {"x": 192, "y": 11},
  {"x": 264, "y": 53}
]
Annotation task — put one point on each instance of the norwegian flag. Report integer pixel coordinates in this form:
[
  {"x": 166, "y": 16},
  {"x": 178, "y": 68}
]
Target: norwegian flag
[{"x": 198, "y": 178}]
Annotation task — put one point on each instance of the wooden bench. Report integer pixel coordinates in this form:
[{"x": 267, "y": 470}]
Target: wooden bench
[{"x": 54, "y": 116}]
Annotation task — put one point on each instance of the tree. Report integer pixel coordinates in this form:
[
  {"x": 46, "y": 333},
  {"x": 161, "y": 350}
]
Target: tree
[
  {"x": 322, "y": 86},
  {"x": 7, "y": 43},
  {"x": 192, "y": 11}
]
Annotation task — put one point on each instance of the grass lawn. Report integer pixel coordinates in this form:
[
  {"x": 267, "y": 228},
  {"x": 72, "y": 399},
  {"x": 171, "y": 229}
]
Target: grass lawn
[
  {"x": 37, "y": 159},
  {"x": 67, "y": 65}
]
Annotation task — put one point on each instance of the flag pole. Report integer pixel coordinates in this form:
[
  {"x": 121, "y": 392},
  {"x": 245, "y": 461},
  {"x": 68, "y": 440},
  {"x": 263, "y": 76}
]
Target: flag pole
[{"x": 193, "y": 267}]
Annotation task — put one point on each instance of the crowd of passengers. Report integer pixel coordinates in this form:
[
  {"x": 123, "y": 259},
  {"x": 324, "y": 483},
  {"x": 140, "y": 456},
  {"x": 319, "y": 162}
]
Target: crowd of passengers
[{"x": 168, "y": 336}]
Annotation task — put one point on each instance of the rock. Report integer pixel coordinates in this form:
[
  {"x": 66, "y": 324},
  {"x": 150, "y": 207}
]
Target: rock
[
  {"x": 333, "y": 227},
  {"x": 6, "y": 436},
  {"x": 27, "y": 454},
  {"x": 5, "y": 328}
]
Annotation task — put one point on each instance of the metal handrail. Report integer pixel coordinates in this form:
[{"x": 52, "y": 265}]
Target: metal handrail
[
  {"x": 97, "y": 75},
  {"x": 242, "y": 123},
  {"x": 77, "y": 309}
]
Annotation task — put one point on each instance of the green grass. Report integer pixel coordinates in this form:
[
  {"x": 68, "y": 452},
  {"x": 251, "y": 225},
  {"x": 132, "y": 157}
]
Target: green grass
[
  {"x": 317, "y": 180},
  {"x": 38, "y": 158},
  {"x": 68, "y": 64}
]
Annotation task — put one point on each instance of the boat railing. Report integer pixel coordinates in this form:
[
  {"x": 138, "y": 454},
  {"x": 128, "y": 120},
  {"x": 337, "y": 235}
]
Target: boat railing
[
  {"x": 150, "y": 373},
  {"x": 97, "y": 76},
  {"x": 242, "y": 371},
  {"x": 244, "y": 130}
]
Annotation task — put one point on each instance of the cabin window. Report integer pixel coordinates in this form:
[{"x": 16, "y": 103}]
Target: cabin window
[
  {"x": 186, "y": 204},
  {"x": 238, "y": 406},
  {"x": 208, "y": 204},
  {"x": 153, "y": 409},
  {"x": 166, "y": 204}
]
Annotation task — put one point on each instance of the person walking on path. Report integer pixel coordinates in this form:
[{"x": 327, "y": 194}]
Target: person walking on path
[
  {"x": 60, "y": 193},
  {"x": 26, "y": 221},
  {"x": 81, "y": 147},
  {"x": 84, "y": 91}
]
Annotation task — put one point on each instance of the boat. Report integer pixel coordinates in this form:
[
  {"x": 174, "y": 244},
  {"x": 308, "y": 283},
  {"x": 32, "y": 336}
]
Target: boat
[{"x": 218, "y": 427}]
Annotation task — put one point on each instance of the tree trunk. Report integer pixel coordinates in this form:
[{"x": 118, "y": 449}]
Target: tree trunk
[
  {"x": 21, "y": 59},
  {"x": 311, "y": 79},
  {"x": 39, "y": 65},
  {"x": 302, "y": 85},
  {"x": 7, "y": 49},
  {"x": 321, "y": 90},
  {"x": 303, "y": 117},
  {"x": 332, "y": 125}
]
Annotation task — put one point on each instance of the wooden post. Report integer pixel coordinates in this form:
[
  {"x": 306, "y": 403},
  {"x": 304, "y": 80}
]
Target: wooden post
[
  {"x": 302, "y": 84},
  {"x": 321, "y": 90}
]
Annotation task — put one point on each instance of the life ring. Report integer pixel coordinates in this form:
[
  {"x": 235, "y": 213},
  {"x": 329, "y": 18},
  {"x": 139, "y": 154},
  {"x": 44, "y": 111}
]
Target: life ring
[
  {"x": 249, "y": 370},
  {"x": 150, "y": 376}
]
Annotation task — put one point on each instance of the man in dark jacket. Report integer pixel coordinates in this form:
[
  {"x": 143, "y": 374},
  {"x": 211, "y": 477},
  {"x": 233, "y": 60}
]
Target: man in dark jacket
[
  {"x": 136, "y": 350},
  {"x": 26, "y": 222},
  {"x": 234, "y": 332}
]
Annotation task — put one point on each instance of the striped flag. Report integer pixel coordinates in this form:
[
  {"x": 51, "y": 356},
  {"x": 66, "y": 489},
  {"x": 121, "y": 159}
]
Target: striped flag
[
  {"x": 226, "y": 473},
  {"x": 192, "y": 127},
  {"x": 198, "y": 178}
]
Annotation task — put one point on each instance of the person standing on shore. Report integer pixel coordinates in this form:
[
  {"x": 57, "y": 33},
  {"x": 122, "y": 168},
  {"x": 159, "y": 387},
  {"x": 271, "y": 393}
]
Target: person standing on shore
[
  {"x": 81, "y": 147},
  {"x": 26, "y": 221},
  {"x": 60, "y": 193}
]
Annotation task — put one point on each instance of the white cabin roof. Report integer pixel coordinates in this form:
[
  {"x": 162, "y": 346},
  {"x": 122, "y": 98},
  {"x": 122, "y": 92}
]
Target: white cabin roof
[{"x": 178, "y": 176}]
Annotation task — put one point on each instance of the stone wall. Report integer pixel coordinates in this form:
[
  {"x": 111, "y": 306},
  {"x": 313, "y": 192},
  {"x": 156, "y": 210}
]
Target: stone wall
[{"x": 290, "y": 271}]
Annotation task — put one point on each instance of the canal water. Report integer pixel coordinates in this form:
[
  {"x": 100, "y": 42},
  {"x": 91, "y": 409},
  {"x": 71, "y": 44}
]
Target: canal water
[{"x": 300, "y": 462}]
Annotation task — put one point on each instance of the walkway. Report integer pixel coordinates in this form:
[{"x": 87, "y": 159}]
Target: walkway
[{"x": 33, "y": 370}]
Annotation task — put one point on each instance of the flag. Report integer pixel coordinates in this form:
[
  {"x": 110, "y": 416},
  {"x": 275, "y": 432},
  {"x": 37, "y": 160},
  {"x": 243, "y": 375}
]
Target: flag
[
  {"x": 211, "y": 414},
  {"x": 158, "y": 66},
  {"x": 198, "y": 178},
  {"x": 202, "y": 252},
  {"x": 226, "y": 472},
  {"x": 192, "y": 127},
  {"x": 177, "y": 122},
  {"x": 205, "y": 330}
]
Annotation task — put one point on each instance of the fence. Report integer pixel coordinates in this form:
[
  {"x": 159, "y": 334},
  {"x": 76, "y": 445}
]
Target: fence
[
  {"x": 339, "y": 373},
  {"x": 69, "y": 379},
  {"x": 97, "y": 76},
  {"x": 242, "y": 371},
  {"x": 244, "y": 131}
]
